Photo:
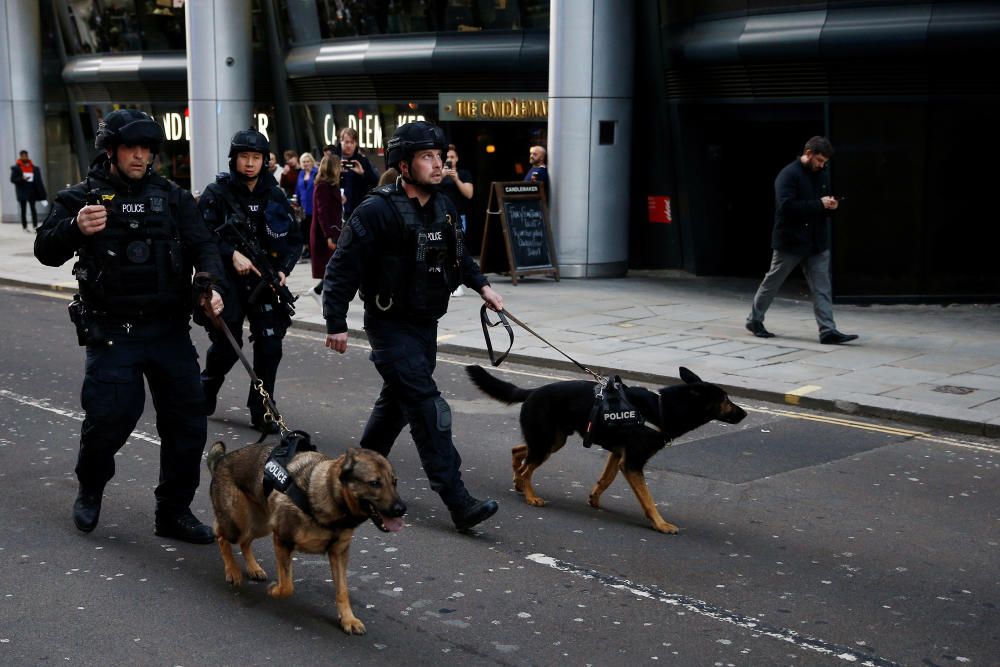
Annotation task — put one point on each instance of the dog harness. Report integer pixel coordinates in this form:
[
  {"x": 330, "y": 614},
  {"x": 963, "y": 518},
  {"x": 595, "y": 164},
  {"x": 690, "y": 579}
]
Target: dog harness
[
  {"x": 612, "y": 409},
  {"x": 276, "y": 475}
]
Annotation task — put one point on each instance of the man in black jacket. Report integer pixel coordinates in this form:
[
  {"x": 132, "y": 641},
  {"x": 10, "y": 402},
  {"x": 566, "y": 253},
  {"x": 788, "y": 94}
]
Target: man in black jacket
[
  {"x": 29, "y": 186},
  {"x": 404, "y": 250},
  {"x": 137, "y": 236},
  {"x": 247, "y": 202},
  {"x": 801, "y": 236}
]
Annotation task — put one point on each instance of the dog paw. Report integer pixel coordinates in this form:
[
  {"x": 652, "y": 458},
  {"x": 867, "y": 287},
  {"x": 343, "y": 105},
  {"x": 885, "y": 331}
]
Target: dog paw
[
  {"x": 594, "y": 501},
  {"x": 235, "y": 579},
  {"x": 535, "y": 502},
  {"x": 277, "y": 592},
  {"x": 352, "y": 626},
  {"x": 668, "y": 528},
  {"x": 257, "y": 575}
]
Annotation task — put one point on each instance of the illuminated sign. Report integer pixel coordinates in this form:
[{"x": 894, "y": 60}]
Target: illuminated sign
[
  {"x": 177, "y": 126},
  {"x": 494, "y": 106},
  {"x": 368, "y": 126}
]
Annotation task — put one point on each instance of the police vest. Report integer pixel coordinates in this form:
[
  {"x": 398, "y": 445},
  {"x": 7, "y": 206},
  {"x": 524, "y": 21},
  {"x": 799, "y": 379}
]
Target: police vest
[
  {"x": 417, "y": 275},
  {"x": 135, "y": 267}
]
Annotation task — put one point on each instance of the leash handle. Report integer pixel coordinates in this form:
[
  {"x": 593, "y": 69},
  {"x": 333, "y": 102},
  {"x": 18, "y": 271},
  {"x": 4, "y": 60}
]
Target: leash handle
[{"x": 485, "y": 319}]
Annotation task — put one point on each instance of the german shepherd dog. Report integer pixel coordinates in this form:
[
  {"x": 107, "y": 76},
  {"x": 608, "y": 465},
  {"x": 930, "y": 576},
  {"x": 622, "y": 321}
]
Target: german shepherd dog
[
  {"x": 553, "y": 412},
  {"x": 343, "y": 492}
]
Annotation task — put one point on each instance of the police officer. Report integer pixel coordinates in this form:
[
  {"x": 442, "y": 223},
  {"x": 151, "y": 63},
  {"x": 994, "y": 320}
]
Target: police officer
[
  {"x": 404, "y": 250},
  {"x": 137, "y": 236},
  {"x": 246, "y": 205}
]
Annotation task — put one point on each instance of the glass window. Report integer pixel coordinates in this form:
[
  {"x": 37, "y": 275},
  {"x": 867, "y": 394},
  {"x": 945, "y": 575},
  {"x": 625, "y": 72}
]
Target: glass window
[{"x": 113, "y": 26}]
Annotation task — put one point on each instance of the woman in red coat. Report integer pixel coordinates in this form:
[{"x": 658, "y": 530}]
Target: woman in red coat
[{"x": 328, "y": 210}]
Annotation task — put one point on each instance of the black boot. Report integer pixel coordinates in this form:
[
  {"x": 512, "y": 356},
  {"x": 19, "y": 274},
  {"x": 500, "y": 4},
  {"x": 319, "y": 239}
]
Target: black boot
[
  {"x": 87, "y": 509},
  {"x": 183, "y": 525},
  {"x": 472, "y": 512}
]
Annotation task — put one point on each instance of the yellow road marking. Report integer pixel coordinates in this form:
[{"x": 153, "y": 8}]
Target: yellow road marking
[{"x": 792, "y": 397}]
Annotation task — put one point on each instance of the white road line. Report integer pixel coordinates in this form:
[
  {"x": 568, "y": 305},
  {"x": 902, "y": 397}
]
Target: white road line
[
  {"x": 43, "y": 404},
  {"x": 707, "y": 610}
]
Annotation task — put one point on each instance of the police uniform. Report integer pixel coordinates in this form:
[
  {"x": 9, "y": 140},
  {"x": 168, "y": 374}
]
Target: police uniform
[
  {"x": 406, "y": 259},
  {"x": 132, "y": 314},
  {"x": 267, "y": 217}
]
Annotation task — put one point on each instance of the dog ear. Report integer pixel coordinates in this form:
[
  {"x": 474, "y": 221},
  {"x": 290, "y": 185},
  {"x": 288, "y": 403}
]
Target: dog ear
[
  {"x": 688, "y": 376},
  {"x": 347, "y": 469}
]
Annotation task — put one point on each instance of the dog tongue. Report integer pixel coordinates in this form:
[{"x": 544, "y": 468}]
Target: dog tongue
[{"x": 393, "y": 525}]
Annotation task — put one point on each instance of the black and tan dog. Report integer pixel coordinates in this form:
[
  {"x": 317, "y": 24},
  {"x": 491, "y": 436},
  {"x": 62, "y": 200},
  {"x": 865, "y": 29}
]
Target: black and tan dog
[
  {"x": 343, "y": 493},
  {"x": 553, "y": 412}
]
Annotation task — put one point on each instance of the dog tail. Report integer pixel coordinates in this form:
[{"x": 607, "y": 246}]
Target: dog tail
[
  {"x": 495, "y": 387},
  {"x": 217, "y": 451}
]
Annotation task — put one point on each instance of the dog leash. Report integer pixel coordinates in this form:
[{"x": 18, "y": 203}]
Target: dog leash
[{"x": 503, "y": 315}]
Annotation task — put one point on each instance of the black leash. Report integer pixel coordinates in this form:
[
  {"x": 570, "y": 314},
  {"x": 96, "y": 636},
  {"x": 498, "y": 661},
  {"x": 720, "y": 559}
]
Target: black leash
[{"x": 503, "y": 316}]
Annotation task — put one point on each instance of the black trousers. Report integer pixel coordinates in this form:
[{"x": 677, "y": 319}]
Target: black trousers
[
  {"x": 268, "y": 326},
  {"x": 113, "y": 398},
  {"x": 25, "y": 203},
  {"x": 405, "y": 355}
]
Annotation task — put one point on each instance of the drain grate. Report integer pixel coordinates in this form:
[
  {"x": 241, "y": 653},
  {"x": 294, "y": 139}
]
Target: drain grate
[{"x": 952, "y": 389}]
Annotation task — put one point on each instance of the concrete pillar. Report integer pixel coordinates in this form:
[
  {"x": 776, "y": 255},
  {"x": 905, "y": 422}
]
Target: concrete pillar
[
  {"x": 591, "y": 63},
  {"x": 220, "y": 82},
  {"x": 21, "y": 108}
]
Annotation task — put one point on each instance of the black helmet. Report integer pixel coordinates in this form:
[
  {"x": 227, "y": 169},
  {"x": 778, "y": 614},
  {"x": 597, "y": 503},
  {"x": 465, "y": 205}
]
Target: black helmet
[
  {"x": 130, "y": 127},
  {"x": 249, "y": 141},
  {"x": 412, "y": 137}
]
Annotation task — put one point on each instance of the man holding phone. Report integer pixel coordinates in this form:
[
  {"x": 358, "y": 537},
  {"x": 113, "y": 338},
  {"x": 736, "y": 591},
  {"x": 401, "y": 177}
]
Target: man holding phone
[
  {"x": 801, "y": 236},
  {"x": 357, "y": 175}
]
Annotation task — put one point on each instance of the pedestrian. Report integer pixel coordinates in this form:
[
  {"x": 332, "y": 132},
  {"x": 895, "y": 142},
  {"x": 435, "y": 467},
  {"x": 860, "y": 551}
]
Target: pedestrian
[
  {"x": 137, "y": 236},
  {"x": 403, "y": 249},
  {"x": 304, "y": 194},
  {"x": 457, "y": 185},
  {"x": 358, "y": 175},
  {"x": 803, "y": 208},
  {"x": 328, "y": 210},
  {"x": 29, "y": 186},
  {"x": 274, "y": 168},
  {"x": 538, "y": 171},
  {"x": 242, "y": 203},
  {"x": 289, "y": 173}
]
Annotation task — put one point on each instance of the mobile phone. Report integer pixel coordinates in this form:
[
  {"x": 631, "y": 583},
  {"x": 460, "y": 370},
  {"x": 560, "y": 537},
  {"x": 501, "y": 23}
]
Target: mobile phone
[{"x": 447, "y": 164}]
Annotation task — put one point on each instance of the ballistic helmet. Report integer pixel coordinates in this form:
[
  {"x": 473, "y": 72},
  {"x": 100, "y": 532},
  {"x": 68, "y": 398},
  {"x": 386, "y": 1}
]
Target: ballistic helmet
[
  {"x": 412, "y": 137},
  {"x": 130, "y": 127},
  {"x": 249, "y": 141}
]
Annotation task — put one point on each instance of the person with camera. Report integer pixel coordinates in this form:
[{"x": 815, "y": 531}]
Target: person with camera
[
  {"x": 801, "y": 237},
  {"x": 137, "y": 236},
  {"x": 250, "y": 216},
  {"x": 358, "y": 176},
  {"x": 404, "y": 250}
]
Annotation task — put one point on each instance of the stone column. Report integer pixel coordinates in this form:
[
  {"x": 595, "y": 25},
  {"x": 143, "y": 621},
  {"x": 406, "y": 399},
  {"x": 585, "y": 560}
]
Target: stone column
[
  {"x": 220, "y": 82},
  {"x": 591, "y": 61}
]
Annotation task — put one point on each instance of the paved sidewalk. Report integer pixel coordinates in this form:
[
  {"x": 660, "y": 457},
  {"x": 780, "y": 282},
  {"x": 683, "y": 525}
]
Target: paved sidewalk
[{"x": 932, "y": 366}]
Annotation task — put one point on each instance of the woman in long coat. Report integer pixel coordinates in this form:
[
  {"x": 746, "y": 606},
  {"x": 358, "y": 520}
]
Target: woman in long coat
[{"x": 328, "y": 210}]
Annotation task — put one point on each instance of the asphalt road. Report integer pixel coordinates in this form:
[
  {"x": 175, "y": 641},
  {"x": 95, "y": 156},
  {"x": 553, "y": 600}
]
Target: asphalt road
[{"x": 805, "y": 539}]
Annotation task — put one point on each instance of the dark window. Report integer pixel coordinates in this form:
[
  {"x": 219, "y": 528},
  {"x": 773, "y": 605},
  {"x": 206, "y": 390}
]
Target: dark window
[{"x": 606, "y": 132}]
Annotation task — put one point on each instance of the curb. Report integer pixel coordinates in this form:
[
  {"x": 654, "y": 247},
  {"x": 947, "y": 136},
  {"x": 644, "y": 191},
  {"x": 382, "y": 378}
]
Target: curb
[{"x": 835, "y": 406}]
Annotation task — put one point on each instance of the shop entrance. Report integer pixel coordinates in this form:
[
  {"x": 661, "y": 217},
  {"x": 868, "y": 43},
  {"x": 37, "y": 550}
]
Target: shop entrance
[{"x": 491, "y": 152}]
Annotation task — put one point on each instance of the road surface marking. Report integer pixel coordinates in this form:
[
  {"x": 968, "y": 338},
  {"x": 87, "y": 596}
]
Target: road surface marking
[{"x": 43, "y": 404}]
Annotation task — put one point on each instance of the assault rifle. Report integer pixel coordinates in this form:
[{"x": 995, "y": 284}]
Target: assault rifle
[{"x": 234, "y": 229}]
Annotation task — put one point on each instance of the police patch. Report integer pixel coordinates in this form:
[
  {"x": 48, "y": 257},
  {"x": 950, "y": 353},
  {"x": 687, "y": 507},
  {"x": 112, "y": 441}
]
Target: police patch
[
  {"x": 137, "y": 252},
  {"x": 157, "y": 204}
]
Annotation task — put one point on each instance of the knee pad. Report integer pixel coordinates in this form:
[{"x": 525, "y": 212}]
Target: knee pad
[{"x": 443, "y": 412}]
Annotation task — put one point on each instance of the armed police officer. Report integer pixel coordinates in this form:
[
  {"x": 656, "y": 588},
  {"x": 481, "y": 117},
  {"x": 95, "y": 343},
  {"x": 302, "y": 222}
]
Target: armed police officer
[
  {"x": 137, "y": 236},
  {"x": 404, "y": 250},
  {"x": 260, "y": 243}
]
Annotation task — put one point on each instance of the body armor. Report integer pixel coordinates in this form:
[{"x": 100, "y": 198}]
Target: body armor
[
  {"x": 135, "y": 267},
  {"x": 417, "y": 275}
]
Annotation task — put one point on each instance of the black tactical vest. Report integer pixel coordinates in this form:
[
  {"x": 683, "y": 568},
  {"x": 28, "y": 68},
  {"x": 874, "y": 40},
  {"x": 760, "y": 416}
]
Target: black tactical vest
[
  {"x": 417, "y": 275},
  {"x": 135, "y": 267}
]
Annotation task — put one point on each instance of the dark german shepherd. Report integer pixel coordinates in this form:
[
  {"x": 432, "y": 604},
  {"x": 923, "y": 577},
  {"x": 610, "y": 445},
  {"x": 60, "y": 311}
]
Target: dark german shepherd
[
  {"x": 344, "y": 492},
  {"x": 553, "y": 412}
]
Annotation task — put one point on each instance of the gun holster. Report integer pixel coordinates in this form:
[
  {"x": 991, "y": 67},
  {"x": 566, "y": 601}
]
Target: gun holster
[{"x": 88, "y": 329}]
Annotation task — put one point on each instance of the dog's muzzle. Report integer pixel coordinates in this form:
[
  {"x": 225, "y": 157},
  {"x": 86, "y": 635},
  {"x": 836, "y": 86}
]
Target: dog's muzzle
[{"x": 388, "y": 520}]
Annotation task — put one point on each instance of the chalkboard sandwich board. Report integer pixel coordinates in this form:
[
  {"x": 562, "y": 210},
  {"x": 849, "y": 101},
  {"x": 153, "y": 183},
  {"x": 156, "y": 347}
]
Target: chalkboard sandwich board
[{"x": 523, "y": 232}]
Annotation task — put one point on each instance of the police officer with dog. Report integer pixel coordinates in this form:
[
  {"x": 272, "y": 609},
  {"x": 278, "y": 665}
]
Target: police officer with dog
[
  {"x": 137, "y": 236},
  {"x": 403, "y": 248},
  {"x": 260, "y": 243}
]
